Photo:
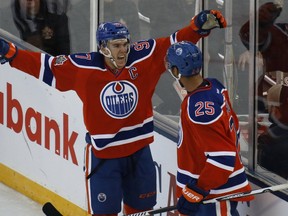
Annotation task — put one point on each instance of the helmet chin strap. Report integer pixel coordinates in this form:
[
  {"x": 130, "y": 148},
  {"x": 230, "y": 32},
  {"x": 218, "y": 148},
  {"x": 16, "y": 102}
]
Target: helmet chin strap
[{"x": 109, "y": 55}]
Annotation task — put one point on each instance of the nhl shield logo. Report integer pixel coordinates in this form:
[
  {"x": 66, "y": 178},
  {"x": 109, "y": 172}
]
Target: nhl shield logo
[{"x": 119, "y": 99}]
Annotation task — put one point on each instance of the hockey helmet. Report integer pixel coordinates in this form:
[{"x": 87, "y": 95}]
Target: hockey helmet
[
  {"x": 111, "y": 31},
  {"x": 185, "y": 56}
]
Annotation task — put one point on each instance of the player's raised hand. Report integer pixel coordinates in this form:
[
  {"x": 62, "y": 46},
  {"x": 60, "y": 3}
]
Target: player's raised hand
[
  {"x": 7, "y": 51},
  {"x": 207, "y": 20}
]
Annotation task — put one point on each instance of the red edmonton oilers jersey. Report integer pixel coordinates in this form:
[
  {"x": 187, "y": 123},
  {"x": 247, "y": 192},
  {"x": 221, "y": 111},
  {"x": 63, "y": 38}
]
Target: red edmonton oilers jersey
[
  {"x": 208, "y": 147},
  {"x": 117, "y": 109}
]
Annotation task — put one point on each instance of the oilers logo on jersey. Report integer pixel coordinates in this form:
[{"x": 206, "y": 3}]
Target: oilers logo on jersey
[{"x": 119, "y": 99}]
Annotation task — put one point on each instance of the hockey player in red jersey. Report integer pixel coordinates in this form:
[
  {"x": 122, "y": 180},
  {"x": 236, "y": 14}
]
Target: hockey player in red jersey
[
  {"x": 116, "y": 86},
  {"x": 209, "y": 164}
]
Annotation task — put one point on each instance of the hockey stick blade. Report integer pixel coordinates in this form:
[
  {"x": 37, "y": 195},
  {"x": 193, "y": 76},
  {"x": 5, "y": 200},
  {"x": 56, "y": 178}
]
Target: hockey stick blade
[
  {"x": 217, "y": 199},
  {"x": 50, "y": 210}
]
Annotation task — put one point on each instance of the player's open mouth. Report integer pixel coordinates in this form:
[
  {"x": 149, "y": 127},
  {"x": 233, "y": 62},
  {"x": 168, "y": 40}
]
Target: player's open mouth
[{"x": 121, "y": 57}]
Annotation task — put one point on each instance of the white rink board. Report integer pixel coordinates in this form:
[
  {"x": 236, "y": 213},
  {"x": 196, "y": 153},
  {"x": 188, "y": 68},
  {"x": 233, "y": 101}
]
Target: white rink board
[
  {"x": 64, "y": 174},
  {"x": 46, "y": 167}
]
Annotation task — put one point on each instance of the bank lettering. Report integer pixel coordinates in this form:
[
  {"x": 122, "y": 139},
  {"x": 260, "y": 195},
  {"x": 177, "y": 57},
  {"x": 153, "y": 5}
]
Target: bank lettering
[{"x": 26, "y": 118}]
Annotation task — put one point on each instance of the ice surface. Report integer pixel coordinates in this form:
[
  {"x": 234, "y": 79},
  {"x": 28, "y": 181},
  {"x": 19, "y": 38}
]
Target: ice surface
[{"x": 15, "y": 203}]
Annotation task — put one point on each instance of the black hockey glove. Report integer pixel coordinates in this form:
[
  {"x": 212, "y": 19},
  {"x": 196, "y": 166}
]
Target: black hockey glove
[
  {"x": 190, "y": 201},
  {"x": 207, "y": 20}
]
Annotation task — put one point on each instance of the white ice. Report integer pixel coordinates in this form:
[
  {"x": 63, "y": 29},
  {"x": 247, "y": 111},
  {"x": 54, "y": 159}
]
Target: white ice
[{"x": 13, "y": 203}]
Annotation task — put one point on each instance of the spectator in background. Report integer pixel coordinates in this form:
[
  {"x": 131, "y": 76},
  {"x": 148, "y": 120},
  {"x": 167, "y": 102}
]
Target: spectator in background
[
  {"x": 125, "y": 12},
  {"x": 43, "y": 28},
  {"x": 58, "y": 6},
  {"x": 273, "y": 143},
  {"x": 272, "y": 37}
]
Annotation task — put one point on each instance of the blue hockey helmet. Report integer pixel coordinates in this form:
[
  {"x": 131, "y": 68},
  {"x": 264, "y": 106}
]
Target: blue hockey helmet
[
  {"x": 111, "y": 31},
  {"x": 186, "y": 56}
]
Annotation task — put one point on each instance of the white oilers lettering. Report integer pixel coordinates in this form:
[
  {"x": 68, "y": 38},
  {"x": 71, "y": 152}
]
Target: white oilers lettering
[{"x": 119, "y": 99}]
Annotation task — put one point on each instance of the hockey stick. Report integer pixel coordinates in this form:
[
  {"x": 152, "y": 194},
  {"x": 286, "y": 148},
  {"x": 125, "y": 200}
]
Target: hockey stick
[
  {"x": 152, "y": 212},
  {"x": 217, "y": 199},
  {"x": 50, "y": 210},
  {"x": 248, "y": 193}
]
